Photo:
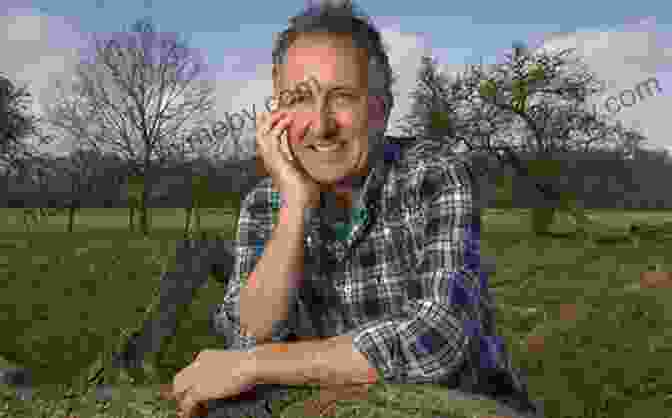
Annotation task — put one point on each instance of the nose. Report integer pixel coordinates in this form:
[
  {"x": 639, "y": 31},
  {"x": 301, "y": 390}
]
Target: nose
[{"x": 323, "y": 124}]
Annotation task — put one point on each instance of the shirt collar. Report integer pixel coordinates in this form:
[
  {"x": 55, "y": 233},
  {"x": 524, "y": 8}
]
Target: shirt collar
[{"x": 380, "y": 160}]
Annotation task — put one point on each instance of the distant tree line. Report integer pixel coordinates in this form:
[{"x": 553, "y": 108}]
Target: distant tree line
[
  {"x": 171, "y": 186},
  {"x": 599, "y": 179}
]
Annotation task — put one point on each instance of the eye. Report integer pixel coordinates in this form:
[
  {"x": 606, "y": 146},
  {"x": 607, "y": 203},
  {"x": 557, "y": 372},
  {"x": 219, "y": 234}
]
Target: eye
[
  {"x": 300, "y": 98},
  {"x": 343, "y": 97}
]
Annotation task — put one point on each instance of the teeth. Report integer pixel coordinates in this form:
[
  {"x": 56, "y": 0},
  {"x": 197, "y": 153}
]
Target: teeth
[{"x": 327, "y": 148}]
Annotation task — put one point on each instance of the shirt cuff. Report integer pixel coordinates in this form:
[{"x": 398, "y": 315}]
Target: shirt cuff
[
  {"x": 363, "y": 342},
  {"x": 230, "y": 328}
]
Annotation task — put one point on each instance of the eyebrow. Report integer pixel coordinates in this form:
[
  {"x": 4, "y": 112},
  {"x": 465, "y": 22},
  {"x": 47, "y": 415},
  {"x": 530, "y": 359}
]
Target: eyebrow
[
  {"x": 335, "y": 87},
  {"x": 344, "y": 88}
]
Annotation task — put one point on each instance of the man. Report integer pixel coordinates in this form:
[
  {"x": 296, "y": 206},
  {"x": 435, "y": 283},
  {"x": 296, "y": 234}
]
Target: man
[{"x": 366, "y": 246}]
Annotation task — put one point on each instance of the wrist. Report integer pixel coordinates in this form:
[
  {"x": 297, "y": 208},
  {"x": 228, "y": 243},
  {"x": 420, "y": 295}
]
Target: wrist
[
  {"x": 252, "y": 368},
  {"x": 270, "y": 360},
  {"x": 295, "y": 212}
]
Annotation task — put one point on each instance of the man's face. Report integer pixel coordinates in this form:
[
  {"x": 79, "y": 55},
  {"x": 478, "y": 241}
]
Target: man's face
[{"x": 337, "y": 105}]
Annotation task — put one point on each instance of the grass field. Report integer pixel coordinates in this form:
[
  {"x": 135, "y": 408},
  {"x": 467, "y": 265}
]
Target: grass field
[{"x": 594, "y": 342}]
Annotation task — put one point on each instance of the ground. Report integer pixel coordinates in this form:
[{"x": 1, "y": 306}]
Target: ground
[{"x": 573, "y": 313}]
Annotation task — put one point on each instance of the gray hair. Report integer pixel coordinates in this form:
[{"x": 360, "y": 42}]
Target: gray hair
[{"x": 343, "y": 18}]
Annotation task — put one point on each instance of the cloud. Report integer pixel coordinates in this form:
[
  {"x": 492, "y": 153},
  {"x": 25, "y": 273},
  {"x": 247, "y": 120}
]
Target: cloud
[
  {"x": 623, "y": 58},
  {"x": 46, "y": 49},
  {"x": 42, "y": 50},
  {"x": 405, "y": 51}
]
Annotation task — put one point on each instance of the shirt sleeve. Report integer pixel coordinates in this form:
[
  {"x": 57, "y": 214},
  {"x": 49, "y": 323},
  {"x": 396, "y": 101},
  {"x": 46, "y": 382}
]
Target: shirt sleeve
[
  {"x": 255, "y": 225},
  {"x": 446, "y": 303}
]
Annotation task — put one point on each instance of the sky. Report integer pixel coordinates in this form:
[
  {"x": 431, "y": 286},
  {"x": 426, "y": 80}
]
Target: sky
[{"x": 624, "y": 43}]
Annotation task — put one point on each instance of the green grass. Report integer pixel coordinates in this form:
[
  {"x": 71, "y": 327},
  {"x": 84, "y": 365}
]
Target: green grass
[{"x": 81, "y": 292}]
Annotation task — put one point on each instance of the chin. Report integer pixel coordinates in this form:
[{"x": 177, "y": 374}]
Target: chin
[
  {"x": 331, "y": 178},
  {"x": 330, "y": 173}
]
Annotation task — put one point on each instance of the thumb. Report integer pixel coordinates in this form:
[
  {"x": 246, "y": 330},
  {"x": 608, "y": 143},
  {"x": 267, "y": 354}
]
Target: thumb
[
  {"x": 166, "y": 392},
  {"x": 189, "y": 407}
]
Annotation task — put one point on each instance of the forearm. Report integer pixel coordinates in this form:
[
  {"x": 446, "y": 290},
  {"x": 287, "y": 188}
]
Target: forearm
[
  {"x": 264, "y": 299},
  {"x": 320, "y": 362}
]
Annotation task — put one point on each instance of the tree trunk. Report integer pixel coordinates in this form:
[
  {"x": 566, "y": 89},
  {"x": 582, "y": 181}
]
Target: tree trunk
[
  {"x": 144, "y": 220},
  {"x": 72, "y": 209},
  {"x": 504, "y": 192},
  {"x": 197, "y": 216},
  {"x": 187, "y": 223},
  {"x": 542, "y": 219},
  {"x": 144, "y": 212},
  {"x": 29, "y": 219},
  {"x": 131, "y": 214}
]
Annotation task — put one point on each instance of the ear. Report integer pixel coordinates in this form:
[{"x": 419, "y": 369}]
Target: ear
[
  {"x": 275, "y": 76},
  {"x": 275, "y": 73},
  {"x": 376, "y": 112}
]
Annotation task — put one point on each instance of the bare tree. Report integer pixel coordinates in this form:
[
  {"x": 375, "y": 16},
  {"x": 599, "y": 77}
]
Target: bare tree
[
  {"x": 141, "y": 99},
  {"x": 88, "y": 173},
  {"x": 17, "y": 126},
  {"x": 32, "y": 177},
  {"x": 533, "y": 103}
]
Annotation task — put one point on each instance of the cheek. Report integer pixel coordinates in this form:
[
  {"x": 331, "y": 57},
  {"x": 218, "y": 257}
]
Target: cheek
[{"x": 346, "y": 120}]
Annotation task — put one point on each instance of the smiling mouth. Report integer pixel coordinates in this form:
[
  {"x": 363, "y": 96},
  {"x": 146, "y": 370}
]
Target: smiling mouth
[{"x": 327, "y": 148}]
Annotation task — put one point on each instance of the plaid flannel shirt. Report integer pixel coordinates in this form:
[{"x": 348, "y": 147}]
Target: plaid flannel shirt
[{"x": 404, "y": 281}]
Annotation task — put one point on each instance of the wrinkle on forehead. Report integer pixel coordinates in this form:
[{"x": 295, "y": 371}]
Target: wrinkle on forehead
[{"x": 312, "y": 55}]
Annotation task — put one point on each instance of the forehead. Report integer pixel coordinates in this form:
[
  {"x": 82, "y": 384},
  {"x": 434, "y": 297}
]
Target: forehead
[{"x": 332, "y": 59}]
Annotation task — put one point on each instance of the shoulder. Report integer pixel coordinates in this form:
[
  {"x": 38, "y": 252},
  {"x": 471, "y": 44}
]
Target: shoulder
[{"x": 428, "y": 163}]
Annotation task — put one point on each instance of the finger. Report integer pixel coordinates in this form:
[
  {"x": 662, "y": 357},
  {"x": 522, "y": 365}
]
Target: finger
[
  {"x": 181, "y": 394},
  {"x": 273, "y": 119},
  {"x": 272, "y": 124},
  {"x": 274, "y": 139},
  {"x": 261, "y": 118},
  {"x": 282, "y": 141},
  {"x": 262, "y": 142},
  {"x": 266, "y": 124},
  {"x": 284, "y": 146},
  {"x": 201, "y": 409},
  {"x": 261, "y": 128},
  {"x": 188, "y": 405},
  {"x": 282, "y": 124},
  {"x": 195, "y": 408},
  {"x": 265, "y": 120},
  {"x": 166, "y": 392}
]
